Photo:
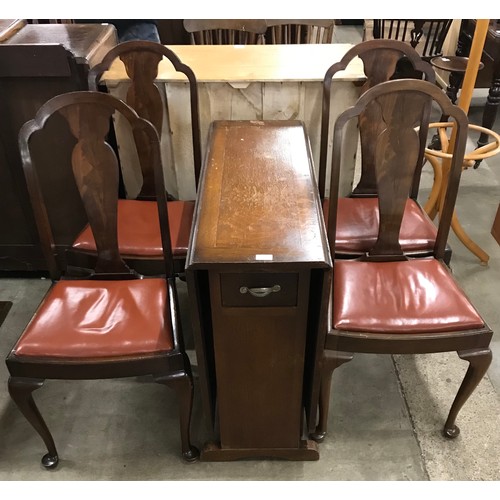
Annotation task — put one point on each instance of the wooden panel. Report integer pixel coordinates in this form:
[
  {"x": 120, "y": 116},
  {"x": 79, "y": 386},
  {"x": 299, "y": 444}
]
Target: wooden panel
[
  {"x": 253, "y": 101},
  {"x": 259, "y": 360},
  {"x": 495, "y": 229},
  {"x": 62, "y": 56},
  {"x": 44, "y": 61},
  {"x": 4, "y": 309},
  {"x": 259, "y": 202},
  {"x": 491, "y": 52},
  {"x": 87, "y": 42}
]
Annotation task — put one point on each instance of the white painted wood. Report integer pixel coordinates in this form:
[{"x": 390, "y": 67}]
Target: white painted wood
[
  {"x": 340, "y": 96},
  {"x": 129, "y": 160}
]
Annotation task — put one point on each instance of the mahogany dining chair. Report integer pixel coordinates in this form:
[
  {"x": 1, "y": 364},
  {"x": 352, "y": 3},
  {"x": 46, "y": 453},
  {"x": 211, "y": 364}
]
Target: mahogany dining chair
[
  {"x": 113, "y": 323},
  {"x": 385, "y": 301},
  {"x": 138, "y": 226},
  {"x": 357, "y": 214}
]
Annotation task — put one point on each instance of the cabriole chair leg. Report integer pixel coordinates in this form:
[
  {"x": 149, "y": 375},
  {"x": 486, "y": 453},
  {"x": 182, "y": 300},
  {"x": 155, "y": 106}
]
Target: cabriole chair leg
[
  {"x": 183, "y": 387},
  {"x": 331, "y": 360},
  {"x": 20, "y": 390},
  {"x": 479, "y": 361}
]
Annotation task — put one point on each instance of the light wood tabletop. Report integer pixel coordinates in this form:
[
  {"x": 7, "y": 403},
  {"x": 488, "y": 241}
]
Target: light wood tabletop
[{"x": 251, "y": 63}]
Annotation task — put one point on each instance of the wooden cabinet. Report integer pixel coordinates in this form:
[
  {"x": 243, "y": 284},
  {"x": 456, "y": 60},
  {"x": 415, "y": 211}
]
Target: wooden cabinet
[
  {"x": 259, "y": 346},
  {"x": 258, "y": 272},
  {"x": 495, "y": 229},
  {"x": 36, "y": 63}
]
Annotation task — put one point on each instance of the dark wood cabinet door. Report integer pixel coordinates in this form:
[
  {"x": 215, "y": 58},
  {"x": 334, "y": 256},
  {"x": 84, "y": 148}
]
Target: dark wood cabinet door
[{"x": 37, "y": 63}]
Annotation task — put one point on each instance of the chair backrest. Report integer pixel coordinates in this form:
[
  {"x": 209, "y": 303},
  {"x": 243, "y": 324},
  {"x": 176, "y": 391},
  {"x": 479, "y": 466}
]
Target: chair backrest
[
  {"x": 404, "y": 109},
  {"x": 226, "y": 31},
  {"x": 96, "y": 173},
  {"x": 141, "y": 60},
  {"x": 425, "y": 35},
  {"x": 293, "y": 31},
  {"x": 380, "y": 59}
]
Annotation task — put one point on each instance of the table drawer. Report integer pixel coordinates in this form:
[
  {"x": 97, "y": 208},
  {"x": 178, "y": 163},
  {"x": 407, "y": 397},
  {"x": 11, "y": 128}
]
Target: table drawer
[{"x": 259, "y": 289}]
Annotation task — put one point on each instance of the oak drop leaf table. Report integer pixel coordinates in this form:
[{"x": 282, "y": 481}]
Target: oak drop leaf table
[{"x": 258, "y": 273}]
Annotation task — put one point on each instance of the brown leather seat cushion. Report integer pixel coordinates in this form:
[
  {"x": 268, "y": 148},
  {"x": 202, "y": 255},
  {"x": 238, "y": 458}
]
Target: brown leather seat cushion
[
  {"x": 139, "y": 229},
  {"x": 357, "y": 226},
  {"x": 87, "y": 319},
  {"x": 413, "y": 296}
]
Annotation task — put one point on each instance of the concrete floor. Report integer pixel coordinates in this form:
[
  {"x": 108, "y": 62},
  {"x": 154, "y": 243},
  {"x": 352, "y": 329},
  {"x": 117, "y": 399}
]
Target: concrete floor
[{"x": 386, "y": 412}]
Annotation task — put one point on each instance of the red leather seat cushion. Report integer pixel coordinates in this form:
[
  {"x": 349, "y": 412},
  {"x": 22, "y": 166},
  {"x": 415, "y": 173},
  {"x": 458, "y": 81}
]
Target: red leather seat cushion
[
  {"x": 139, "y": 229},
  {"x": 413, "y": 296},
  {"x": 357, "y": 226},
  {"x": 87, "y": 319}
]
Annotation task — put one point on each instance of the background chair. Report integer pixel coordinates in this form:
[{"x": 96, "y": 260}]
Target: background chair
[
  {"x": 226, "y": 31},
  {"x": 357, "y": 215},
  {"x": 426, "y": 36},
  {"x": 138, "y": 226},
  {"x": 386, "y": 302},
  {"x": 296, "y": 31},
  {"x": 113, "y": 324}
]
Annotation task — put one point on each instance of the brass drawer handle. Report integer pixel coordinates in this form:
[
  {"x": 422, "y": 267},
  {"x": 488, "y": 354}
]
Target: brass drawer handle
[{"x": 260, "y": 292}]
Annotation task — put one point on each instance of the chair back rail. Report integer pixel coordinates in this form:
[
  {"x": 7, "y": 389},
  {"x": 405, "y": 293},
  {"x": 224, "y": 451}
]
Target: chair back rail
[
  {"x": 297, "y": 31},
  {"x": 226, "y": 31},
  {"x": 403, "y": 107},
  {"x": 380, "y": 58},
  {"x": 95, "y": 169},
  {"x": 141, "y": 60},
  {"x": 425, "y": 35}
]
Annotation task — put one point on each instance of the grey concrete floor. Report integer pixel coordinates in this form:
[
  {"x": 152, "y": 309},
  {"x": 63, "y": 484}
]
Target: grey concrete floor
[{"x": 386, "y": 412}]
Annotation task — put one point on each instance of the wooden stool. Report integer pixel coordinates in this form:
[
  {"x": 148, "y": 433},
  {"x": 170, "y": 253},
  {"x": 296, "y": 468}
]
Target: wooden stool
[
  {"x": 439, "y": 161},
  {"x": 456, "y": 66}
]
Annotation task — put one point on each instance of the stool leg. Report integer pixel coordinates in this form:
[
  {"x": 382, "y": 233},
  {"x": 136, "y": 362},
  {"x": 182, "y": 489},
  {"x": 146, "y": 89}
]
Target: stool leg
[{"x": 467, "y": 241}]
